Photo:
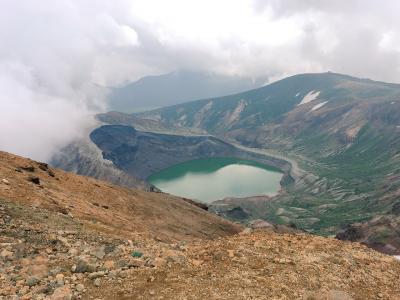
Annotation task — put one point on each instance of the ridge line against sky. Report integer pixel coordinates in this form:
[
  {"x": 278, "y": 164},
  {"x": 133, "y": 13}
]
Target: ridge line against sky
[{"x": 56, "y": 56}]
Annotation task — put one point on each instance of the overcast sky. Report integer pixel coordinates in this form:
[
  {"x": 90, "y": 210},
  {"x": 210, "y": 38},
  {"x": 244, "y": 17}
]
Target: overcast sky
[{"x": 55, "y": 55}]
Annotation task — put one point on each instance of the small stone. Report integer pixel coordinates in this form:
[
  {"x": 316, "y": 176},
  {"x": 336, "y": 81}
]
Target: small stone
[
  {"x": 196, "y": 262},
  {"x": 380, "y": 295},
  {"x": 156, "y": 262},
  {"x": 96, "y": 274},
  {"x": 99, "y": 252},
  {"x": 73, "y": 251},
  {"x": 28, "y": 168},
  {"x": 32, "y": 281},
  {"x": 135, "y": 263},
  {"x": 43, "y": 166},
  {"x": 97, "y": 282},
  {"x": 246, "y": 231},
  {"x": 34, "y": 179},
  {"x": 338, "y": 295},
  {"x": 60, "y": 276},
  {"x": 62, "y": 293},
  {"x": 152, "y": 293},
  {"x": 6, "y": 254},
  {"x": 80, "y": 287},
  {"x": 63, "y": 240},
  {"x": 151, "y": 279},
  {"x": 122, "y": 263},
  {"x": 109, "y": 264},
  {"x": 231, "y": 253},
  {"x": 60, "y": 279},
  {"x": 23, "y": 290},
  {"x": 175, "y": 257},
  {"x": 83, "y": 266},
  {"x": 5, "y": 181},
  {"x": 256, "y": 224},
  {"x": 60, "y": 282}
]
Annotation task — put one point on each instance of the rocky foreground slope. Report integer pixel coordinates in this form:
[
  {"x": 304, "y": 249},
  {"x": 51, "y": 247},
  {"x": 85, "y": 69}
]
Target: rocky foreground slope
[{"x": 65, "y": 236}]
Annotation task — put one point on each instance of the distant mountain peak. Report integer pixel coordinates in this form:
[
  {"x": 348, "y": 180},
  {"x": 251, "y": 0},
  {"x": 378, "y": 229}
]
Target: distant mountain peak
[{"x": 176, "y": 87}]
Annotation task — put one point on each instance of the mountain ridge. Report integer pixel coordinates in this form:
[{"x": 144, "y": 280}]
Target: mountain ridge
[
  {"x": 175, "y": 87},
  {"x": 342, "y": 130}
]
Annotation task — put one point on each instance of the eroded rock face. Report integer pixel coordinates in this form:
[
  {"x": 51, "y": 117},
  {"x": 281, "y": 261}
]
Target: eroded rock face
[
  {"x": 84, "y": 158},
  {"x": 351, "y": 233},
  {"x": 381, "y": 233},
  {"x": 142, "y": 153},
  {"x": 236, "y": 213}
]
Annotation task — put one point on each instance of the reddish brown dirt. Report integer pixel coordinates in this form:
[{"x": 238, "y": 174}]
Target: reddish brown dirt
[{"x": 71, "y": 237}]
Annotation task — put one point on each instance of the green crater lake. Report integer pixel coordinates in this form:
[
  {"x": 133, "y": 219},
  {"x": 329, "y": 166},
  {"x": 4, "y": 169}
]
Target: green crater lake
[{"x": 213, "y": 179}]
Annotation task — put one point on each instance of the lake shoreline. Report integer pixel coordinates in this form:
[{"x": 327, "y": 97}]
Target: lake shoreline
[{"x": 210, "y": 179}]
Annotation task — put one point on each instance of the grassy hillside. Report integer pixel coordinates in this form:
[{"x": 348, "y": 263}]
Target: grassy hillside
[
  {"x": 269, "y": 103},
  {"x": 343, "y": 131}
]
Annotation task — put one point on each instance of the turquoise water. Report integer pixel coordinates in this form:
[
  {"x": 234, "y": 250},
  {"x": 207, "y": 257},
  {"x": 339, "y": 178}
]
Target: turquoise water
[{"x": 212, "y": 179}]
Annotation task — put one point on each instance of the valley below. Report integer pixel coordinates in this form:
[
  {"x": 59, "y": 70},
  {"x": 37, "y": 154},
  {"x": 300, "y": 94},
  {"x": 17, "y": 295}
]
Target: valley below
[
  {"x": 200, "y": 150},
  {"x": 334, "y": 138},
  {"x": 278, "y": 166}
]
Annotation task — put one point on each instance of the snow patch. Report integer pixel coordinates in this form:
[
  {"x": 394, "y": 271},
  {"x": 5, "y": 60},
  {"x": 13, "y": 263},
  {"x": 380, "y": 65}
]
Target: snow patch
[
  {"x": 319, "y": 105},
  {"x": 311, "y": 96},
  {"x": 297, "y": 95}
]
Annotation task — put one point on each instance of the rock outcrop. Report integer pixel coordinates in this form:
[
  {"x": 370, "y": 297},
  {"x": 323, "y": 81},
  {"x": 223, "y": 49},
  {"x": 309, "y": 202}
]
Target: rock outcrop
[
  {"x": 382, "y": 233},
  {"x": 141, "y": 154}
]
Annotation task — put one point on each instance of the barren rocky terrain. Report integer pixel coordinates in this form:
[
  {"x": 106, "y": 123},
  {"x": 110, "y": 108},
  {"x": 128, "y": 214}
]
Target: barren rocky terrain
[{"x": 65, "y": 236}]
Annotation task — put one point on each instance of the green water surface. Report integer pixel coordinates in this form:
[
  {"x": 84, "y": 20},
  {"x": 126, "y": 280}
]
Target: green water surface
[{"x": 212, "y": 179}]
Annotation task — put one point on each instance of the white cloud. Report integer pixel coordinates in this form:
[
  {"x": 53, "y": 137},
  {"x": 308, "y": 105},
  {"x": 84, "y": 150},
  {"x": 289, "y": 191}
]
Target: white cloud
[
  {"x": 52, "y": 56},
  {"x": 55, "y": 54}
]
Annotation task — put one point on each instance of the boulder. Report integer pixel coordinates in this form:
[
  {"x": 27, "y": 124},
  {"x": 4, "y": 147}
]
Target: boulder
[{"x": 62, "y": 293}]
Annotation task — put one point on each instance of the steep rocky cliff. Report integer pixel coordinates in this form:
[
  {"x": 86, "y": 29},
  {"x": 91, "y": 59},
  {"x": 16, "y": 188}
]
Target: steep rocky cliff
[{"x": 143, "y": 153}]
